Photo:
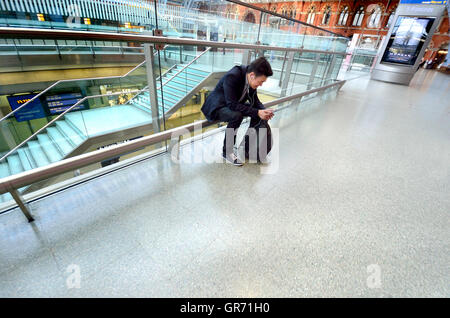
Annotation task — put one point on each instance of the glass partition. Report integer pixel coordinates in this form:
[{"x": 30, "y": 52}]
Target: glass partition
[
  {"x": 215, "y": 20},
  {"x": 110, "y": 110}
]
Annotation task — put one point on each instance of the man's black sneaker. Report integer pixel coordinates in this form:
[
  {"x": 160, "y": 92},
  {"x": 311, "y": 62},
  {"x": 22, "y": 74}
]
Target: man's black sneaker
[{"x": 233, "y": 159}]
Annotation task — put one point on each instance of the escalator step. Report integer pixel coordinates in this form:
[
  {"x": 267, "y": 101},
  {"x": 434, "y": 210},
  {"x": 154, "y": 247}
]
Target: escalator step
[
  {"x": 38, "y": 154},
  {"x": 166, "y": 103},
  {"x": 4, "y": 170},
  {"x": 195, "y": 76},
  {"x": 189, "y": 82},
  {"x": 5, "y": 197},
  {"x": 170, "y": 98},
  {"x": 49, "y": 148},
  {"x": 173, "y": 91},
  {"x": 69, "y": 132},
  {"x": 14, "y": 163},
  {"x": 146, "y": 109},
  {"x": 189, "y": 76},
  {"x": 200, "y": 72},
  {"x": 25, "y": 158},
  {"x": 58, "y": 138},
  {"x": 181, "y": 84},
  {"x": 194, "y": 73},
  {"x": 178, "y": 88}
]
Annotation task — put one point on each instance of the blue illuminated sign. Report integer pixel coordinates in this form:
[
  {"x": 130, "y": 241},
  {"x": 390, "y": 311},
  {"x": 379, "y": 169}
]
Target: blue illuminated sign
[{"x": 33, "y": 110}]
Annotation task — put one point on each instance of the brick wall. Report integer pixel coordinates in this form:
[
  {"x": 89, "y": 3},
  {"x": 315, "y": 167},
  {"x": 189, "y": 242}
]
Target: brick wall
[{"x": 302, "y": 8}]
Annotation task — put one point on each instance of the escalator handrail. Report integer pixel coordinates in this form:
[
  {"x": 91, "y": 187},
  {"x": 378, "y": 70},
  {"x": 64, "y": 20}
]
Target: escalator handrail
[
  {"x": 146, "y": 87},
  {"x": 186, "y": 66},
  {"x": 159, "y": 77}
]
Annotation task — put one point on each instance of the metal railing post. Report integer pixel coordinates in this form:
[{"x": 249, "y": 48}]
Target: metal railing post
[
  {"x": 330, "y": 68},
  {"x": 58, "y": 50},
  {"x": 282, "y": 68},
  {"x": 312, "y": 77},
  {"x": 246, "y": 57},
  {"x": 287, "y": 74},
  {"x": 17, "y": 51},
  {"x": 92, "y": 50},
  {"x": 151, "y": 80},
  {"x": 174, "y": 148},
  {"x": 22, "y": 204},
  {"x": 259, "y": 26}
]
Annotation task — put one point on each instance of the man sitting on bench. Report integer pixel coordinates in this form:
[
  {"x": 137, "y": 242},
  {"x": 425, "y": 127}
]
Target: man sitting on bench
[{"x": 235, "y": 97}]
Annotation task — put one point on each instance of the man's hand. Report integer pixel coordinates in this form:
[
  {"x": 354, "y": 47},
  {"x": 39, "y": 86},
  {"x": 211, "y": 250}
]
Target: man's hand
[{"x": 265, "y": 114}]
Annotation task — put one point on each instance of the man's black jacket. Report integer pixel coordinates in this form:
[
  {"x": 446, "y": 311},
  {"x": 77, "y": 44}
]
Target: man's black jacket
[{"x": 228, "y": 92}]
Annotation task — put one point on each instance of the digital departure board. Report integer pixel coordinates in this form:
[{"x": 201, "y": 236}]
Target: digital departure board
[{"x": 59, "y": 103}]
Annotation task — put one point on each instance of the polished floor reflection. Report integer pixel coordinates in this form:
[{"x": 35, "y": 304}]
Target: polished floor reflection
[{"x": 358, "y": 206}]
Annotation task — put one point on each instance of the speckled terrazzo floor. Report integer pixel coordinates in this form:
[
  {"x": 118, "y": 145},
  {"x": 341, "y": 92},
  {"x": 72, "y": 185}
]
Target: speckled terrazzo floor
[{"x": 359, "y": 207}]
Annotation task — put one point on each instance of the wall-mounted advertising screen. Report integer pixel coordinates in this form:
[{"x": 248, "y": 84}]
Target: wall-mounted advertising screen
[{"x": 407, "y": 39}]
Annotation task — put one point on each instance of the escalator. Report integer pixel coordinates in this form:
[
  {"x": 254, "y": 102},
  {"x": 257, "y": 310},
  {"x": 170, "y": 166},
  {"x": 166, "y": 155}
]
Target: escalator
[{"x": 179, "y": 84}]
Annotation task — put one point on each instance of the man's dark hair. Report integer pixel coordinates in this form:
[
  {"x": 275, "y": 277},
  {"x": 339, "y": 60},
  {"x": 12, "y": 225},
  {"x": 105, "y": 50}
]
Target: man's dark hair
[{"x": 260, "y": 66}]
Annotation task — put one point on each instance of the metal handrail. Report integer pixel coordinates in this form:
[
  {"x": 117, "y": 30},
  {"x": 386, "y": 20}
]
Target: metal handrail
[
  {"x": 61, "y": 115},
  {"x": 71, "y": 80},
  {"x": 38, "y": 174},
  {"x": 190, "y": 63}
]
